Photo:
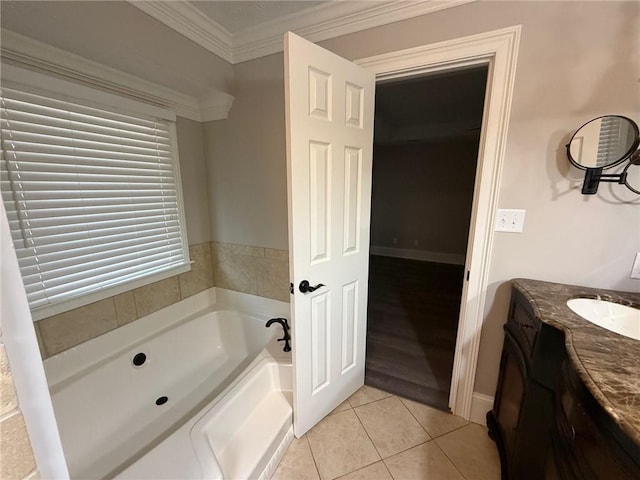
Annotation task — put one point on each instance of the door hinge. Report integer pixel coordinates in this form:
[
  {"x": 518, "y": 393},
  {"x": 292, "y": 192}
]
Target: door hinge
[
  {"x": 291, "y": 288},
  {"x": 468, "y": 273}
]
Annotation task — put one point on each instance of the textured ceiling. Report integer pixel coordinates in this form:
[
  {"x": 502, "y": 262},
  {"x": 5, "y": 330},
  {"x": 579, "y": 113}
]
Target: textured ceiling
[{"x": 235, "y": 16}]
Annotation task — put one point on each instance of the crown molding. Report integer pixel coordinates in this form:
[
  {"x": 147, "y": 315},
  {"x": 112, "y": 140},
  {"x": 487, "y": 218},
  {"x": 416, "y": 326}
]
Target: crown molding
[
  {"x": 33, "y": 55},
  {"x": 189, "y": 21},
  {"x": 215, "y": 106},
  {"x": 328, "y": 20}
]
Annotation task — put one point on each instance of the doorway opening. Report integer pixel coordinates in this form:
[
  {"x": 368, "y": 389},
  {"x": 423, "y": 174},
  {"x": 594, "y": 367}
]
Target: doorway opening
[{"x": 426, "y": 144}]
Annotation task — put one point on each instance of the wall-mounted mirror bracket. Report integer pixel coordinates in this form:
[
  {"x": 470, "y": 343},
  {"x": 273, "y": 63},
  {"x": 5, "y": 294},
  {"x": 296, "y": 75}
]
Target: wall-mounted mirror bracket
[{"x": 594, "y": 176}]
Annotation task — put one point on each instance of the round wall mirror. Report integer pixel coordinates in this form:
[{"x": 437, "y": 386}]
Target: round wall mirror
[{"x": 603, "y": 142}]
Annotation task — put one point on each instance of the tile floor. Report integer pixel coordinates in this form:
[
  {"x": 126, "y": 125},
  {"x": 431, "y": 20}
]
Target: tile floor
[{"x": 378, "y": 436}]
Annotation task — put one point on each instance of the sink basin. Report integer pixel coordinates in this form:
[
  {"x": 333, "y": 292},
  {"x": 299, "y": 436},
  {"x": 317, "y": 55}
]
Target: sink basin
[{"x": 615, "y": 317}]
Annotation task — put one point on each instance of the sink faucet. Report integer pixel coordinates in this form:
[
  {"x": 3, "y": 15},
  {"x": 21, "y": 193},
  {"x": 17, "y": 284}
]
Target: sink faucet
[{"x": 285, "y": 328}]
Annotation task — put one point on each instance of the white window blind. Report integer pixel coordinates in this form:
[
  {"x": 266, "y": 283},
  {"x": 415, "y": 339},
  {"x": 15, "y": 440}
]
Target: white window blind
[{"x": 91, "y": 195}]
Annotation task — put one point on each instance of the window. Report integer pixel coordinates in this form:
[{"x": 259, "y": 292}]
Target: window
[{"x": 92, "y": 197}]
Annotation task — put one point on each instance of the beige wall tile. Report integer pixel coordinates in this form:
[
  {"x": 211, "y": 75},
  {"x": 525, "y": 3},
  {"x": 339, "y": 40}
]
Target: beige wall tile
[
  {"x": 377, "y": 471},
  {"x": 201, "y": 275},
  {"x": 391, "y": 426},
  {"x": 151, "y": 298},
  {"x": 367, "y": 394},
  {"x": 237, "y": 272},
  {"x": 125, "y": 308},
  {"x": 71, "y": 328},
  {"x": 297, "y": 463},
  {"x": 59, "y": 332},
  {"x": 249, "y": 269},
  {"x": 43, "y": 351},
  {"x": 340, "y": 445},
  {"x": 473, "y": 452},
  {"x": 273, "y": 279},
  {"x": 435, "y": 422},
  {"x": 8, "y": 398},
  {"x": 425, "y": 461},
  {"x": 15, "y": 449},
  {"x": 246, "y": 250}
]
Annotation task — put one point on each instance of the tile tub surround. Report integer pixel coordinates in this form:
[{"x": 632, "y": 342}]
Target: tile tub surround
[
  {"x": 607, "y": 363},
  {"x": 65, "y": 330},
  {"x": 248, "y": 269},
  {"x": 16, "y": 456},
  {"x": 366, "y": 437}
]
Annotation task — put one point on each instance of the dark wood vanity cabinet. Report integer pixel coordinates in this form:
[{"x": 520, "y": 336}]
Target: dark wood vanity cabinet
[
  {"x": 544, "y": 420},
  {"x": 522, "y": 414},
  {"x": 587, "y": 442}
]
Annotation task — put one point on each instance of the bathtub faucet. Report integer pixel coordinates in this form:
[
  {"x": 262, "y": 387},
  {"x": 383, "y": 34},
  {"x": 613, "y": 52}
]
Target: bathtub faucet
[{"x": 285, "y": 328}]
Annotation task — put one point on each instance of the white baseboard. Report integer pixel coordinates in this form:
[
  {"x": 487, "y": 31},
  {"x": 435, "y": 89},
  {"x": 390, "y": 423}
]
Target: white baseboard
[
  {"x": 423, "y": 255},
  {"x": 480, "y": 405}
]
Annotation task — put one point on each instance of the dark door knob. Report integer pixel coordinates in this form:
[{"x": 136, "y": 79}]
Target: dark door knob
[{"x": 304, "y": 287}]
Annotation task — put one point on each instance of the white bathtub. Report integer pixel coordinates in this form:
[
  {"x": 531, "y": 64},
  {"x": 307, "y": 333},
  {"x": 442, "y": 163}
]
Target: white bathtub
[{"x": 217, "y": 365}]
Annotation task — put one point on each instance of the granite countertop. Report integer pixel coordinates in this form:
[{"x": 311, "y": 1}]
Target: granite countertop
[{"x": 607, "y": 363}]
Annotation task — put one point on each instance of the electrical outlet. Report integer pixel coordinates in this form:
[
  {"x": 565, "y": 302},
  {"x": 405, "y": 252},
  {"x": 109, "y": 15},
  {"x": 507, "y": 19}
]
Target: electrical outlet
[
  {"x": 635, "y": 270},
  {"x": 510, "y": 220}
]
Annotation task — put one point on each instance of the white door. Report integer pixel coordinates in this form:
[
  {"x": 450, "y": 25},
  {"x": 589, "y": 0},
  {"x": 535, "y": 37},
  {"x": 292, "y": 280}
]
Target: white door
[{"x": 329, "y": 118}]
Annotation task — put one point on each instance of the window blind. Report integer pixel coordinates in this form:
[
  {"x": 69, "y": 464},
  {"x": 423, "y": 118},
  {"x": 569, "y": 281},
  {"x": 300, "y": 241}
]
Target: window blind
[
  {"x": 90, "y": 194},
  {"x": 610, "y": 148}
]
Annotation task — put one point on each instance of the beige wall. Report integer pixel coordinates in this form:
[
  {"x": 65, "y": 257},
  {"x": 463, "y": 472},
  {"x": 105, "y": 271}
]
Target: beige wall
[
  {"x": 194, "y": 180},
  {"x": 423, "y": 192},
  {"x": 121, "y": 36},
  {"x": 246, "y": 162},
  {"x": 572, "y": 66}
]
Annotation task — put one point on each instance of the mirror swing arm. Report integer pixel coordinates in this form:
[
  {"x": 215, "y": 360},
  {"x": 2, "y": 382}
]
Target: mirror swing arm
[
  {"x": 602, "y": 143},
  {"x": 594, "y": 176}
]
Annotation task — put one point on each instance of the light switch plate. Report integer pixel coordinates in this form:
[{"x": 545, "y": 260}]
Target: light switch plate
[
  {"x": 635, "y": 270},
  {"x": 510, "y": 220}
]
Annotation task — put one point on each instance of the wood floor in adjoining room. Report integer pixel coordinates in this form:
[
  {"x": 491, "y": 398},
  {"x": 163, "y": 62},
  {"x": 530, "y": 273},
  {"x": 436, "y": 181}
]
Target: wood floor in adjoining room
[{"x": 411, "y": 327}]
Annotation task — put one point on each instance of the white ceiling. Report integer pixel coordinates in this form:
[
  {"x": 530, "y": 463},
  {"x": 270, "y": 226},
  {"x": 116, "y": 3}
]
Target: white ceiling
[{"x": 235, "y": 16}]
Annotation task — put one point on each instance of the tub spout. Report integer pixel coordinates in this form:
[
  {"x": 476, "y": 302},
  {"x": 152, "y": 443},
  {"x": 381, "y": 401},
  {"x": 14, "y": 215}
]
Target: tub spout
[{"x": 285, "y": 328}]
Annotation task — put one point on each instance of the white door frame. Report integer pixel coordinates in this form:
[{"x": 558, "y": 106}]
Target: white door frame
[{"x": 499, "y": 50}]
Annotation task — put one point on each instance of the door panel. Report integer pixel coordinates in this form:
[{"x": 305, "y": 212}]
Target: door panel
[
  {"x": 329, "y": 115},
  {"x": 352, "y": 192}
]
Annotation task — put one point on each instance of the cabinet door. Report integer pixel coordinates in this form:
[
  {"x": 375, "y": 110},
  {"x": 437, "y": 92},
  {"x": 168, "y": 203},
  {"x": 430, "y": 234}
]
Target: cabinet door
[
  {"x": 551, "y": 471},
  {"x": 594, "y": 451},
  {"x": 508, "y": 405}
]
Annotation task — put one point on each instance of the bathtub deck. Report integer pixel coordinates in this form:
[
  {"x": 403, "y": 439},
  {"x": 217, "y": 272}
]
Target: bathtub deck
[
  {"x": 242, "y": 432},
  {"x": 242, "y": 435},
  {"x": 270, "y": 420}
]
